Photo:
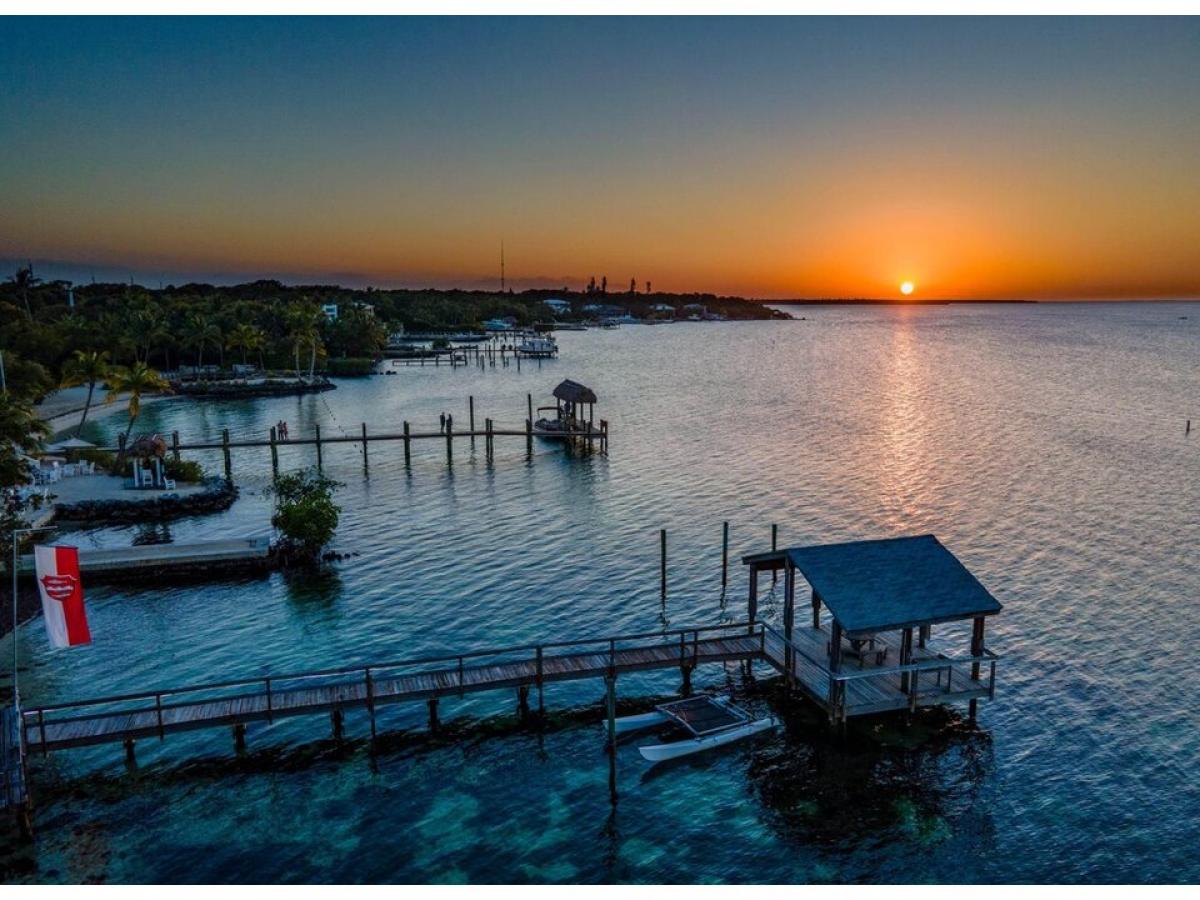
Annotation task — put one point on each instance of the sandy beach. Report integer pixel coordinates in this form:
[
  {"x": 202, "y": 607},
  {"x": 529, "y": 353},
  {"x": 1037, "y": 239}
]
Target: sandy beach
[{"x": 62, "y": 409}]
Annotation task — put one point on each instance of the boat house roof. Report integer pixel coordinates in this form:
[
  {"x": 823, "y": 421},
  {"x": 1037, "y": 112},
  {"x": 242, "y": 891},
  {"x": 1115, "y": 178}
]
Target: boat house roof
[
  {"x": 574, "y": 392},
  {"x": 884, "y": 585}
]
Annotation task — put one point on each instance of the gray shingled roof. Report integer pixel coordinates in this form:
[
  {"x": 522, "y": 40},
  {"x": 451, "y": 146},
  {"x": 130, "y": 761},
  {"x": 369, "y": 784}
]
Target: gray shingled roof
[
  {"x": 894, "y": 583},
  {"x": 574, "y": 392}
]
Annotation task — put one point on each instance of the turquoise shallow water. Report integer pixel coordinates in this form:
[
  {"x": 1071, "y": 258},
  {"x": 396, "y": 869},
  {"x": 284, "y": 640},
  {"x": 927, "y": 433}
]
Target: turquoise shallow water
[{"x": 1043, "y": 444}]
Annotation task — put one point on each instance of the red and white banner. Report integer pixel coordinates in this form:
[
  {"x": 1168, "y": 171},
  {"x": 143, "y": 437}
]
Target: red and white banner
[{"x": 62, "y": 595}]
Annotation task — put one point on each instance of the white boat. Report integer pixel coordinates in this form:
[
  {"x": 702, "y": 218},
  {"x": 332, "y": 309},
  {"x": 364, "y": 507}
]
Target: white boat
[
  {"x": 537, "y": 347},
  {"x": 712, "y": 722}
]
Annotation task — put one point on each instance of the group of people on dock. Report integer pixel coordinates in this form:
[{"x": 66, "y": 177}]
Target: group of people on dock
[{"x": 281, "y": 428}]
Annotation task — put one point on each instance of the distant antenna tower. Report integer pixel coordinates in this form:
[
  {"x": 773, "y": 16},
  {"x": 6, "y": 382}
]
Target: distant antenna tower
[{"x": 502, "y": 265}]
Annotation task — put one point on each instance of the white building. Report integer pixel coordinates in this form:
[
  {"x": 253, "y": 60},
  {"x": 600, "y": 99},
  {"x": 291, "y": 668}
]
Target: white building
[
  {"x": 557, "y": 305},
  {"x": 330, "y": 310}
]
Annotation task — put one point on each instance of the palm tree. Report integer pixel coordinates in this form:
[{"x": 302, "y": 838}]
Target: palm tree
[
  {"x": 20, "y": 430},
  {"x": 200, "y": 331},
  {"x": 24, "y": 280},
  {"x": 86, "y": 367},
  {"x": 304, "y": 331},
  {"x": 246, "y": 338},
  {"x": 135, "y": 381}
]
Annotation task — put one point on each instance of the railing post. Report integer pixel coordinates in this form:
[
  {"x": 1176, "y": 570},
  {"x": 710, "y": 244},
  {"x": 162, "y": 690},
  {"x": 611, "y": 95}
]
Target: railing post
[{"x": 158, "y": 710}]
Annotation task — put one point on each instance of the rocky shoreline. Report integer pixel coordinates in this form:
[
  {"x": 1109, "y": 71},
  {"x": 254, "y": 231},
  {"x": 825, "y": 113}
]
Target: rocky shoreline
[
  {"x": 218, "y": 496},
  {"x": 237, "y": 390}
]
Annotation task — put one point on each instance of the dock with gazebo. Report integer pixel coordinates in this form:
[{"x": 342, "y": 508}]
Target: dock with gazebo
[{"x": 868, "y": 645}]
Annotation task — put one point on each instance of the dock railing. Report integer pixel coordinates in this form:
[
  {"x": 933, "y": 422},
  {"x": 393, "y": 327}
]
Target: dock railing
[
  {"x": 359, "y": 684},
  {"x": 939, "y": 664}
]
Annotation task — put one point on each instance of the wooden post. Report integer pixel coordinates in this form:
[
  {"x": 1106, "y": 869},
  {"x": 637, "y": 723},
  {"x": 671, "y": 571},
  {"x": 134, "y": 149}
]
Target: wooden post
[
  {"x": 274, "y": 453},
  {"x": 366, "y": 466},
  {"x": 175, "y": 444},
  {"x": 724, "y": 556},
  {"x": 121, "y": 446},
  {"x": 491, "y": 438},
  {"x": 752, "y": 597},
  {"x": 906, "y": 637},
  {"x": 774, "y": 546},
  {"x": 923, "y": 636},
  {"x": 523, "y": 702},
  {"x": 370, "y": 699},
  {"x": 471, "y": 418},
  {"x": 789, "y": 613},
  {"x": 835, "y": 666},
  {"x": 225, "y": 453},
  {"x": 816, "y": 609},
  {"x": 407, "y": 446},
  {"x": 610, "y": 702},
  {"x": 662, "y": 565},
  {"x": 685, "y": 689},
  {"x": 318, "y": 432},
  {"x": 976, "y": 650},
  {"x": 529, "y": 405},
  {"x": 449, "y": 440},
  {"x": 433, "y": 715},
  {"x": 529, "y": 436},
  {"x": 540, "y": 686},
  {"x": 130, "y": 754},
  {"x": 239, "y": 737},
  {"x": 335, "y": 719}
]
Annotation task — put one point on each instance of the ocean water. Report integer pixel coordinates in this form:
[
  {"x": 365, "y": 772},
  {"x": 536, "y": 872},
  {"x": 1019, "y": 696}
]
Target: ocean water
[{"x": 1044, "y": 444}]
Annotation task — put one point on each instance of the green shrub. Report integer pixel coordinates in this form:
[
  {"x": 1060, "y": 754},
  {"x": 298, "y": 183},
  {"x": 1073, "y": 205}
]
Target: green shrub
[
  {"x": 350, "y": 366},
  {"x": 183, "y": 470},
  {"x": 305, "y": 513}
]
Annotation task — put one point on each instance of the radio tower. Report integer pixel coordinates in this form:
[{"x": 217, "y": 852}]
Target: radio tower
[{"x": 502, "y": 265}]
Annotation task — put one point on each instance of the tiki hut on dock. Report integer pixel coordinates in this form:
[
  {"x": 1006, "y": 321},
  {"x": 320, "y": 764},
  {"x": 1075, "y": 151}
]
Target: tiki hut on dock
[{"x": 869, "y": 599}]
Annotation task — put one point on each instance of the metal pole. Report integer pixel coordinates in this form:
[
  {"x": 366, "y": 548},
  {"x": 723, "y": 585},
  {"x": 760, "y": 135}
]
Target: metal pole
[{"x": 16, "y": 540}]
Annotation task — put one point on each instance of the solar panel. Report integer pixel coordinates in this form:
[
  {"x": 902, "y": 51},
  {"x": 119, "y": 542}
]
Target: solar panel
[{"x": 703, "y": 715}]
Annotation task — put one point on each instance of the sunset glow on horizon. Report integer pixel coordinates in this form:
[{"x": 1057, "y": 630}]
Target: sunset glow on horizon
[{"x": 800, "y": 158}]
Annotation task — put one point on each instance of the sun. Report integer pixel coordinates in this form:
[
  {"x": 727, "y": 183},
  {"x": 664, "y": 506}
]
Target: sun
[{"x": 907, "y": 287}]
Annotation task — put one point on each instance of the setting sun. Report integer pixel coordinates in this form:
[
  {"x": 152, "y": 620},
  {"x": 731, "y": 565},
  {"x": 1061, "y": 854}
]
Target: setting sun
[{"x": 907, "y": 287}]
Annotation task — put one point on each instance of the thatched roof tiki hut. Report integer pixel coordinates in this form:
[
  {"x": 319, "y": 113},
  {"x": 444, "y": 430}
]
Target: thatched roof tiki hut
[{"x": 869, "y": 599}]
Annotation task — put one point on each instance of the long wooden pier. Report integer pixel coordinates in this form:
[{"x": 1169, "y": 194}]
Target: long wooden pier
[
  {"x": 129, "y": 717},
  {"x": 130, "y": 562},
  {"x": 586, "y": 435}
]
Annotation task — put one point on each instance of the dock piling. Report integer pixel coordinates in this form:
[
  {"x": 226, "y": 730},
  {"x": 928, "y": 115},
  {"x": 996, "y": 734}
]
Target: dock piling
[
  {"x": 274, "y": 453},
  {"x": 529, "y": 437},
  {"x": 224, "y": 452},
  {"x": 471, "y": 418},
  {"x": 239, "y": 738},
  {"x": 175, "y": 445},
  {"x": 774, "y": 547},
  {"x": 317, "y": 428},
  {"x": 449, "y": 440},
  {"x": 662, "y": 566},
  {"x": 407, "y": 447},
  {"x": 724, "y": 556},
  {"x": 336, "y": 720},
  {"x": 433, "y": 715},
  {"x": 366, "y": 467},
  {"x": 130, "y": 754}
]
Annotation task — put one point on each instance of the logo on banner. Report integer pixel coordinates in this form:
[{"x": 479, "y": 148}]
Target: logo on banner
[{"x": 59, "y": 587}]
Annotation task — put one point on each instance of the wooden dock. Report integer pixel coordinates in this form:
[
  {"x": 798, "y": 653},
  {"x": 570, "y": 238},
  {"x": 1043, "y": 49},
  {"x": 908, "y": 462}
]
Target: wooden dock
[
  {"x": 129, "y": 717},
  {"x": 250, "y": 553},
  {"x": 586, "y": 436}
]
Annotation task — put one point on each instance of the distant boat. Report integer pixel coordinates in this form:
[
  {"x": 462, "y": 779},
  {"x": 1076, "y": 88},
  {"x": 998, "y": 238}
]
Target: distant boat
[
  {"x": 537, "y": 348},
  {"x": 499, "y": 325}
]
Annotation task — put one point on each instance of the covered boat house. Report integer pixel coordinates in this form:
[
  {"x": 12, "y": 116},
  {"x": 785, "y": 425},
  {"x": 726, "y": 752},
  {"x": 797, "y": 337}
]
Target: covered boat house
[{"x": 869, "y": 645}]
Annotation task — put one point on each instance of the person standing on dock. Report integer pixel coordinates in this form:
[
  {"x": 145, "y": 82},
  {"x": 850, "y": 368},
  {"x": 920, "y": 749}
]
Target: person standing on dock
[{"x": 442, "y": 427}]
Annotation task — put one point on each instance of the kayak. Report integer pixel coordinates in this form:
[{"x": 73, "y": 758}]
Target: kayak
[{"x": 660, "y": 752}]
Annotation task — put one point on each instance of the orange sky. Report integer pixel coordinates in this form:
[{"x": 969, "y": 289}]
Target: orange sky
[{"x": 825, "y": 158}]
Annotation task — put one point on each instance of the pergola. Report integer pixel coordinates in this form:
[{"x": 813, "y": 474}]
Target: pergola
[{"x": 900, "y": 585}]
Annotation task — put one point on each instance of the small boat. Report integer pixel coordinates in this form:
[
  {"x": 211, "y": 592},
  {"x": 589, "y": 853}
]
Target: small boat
[
  {"x": 537, "y": 348},
  {"x": 712, "y": 722}
]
